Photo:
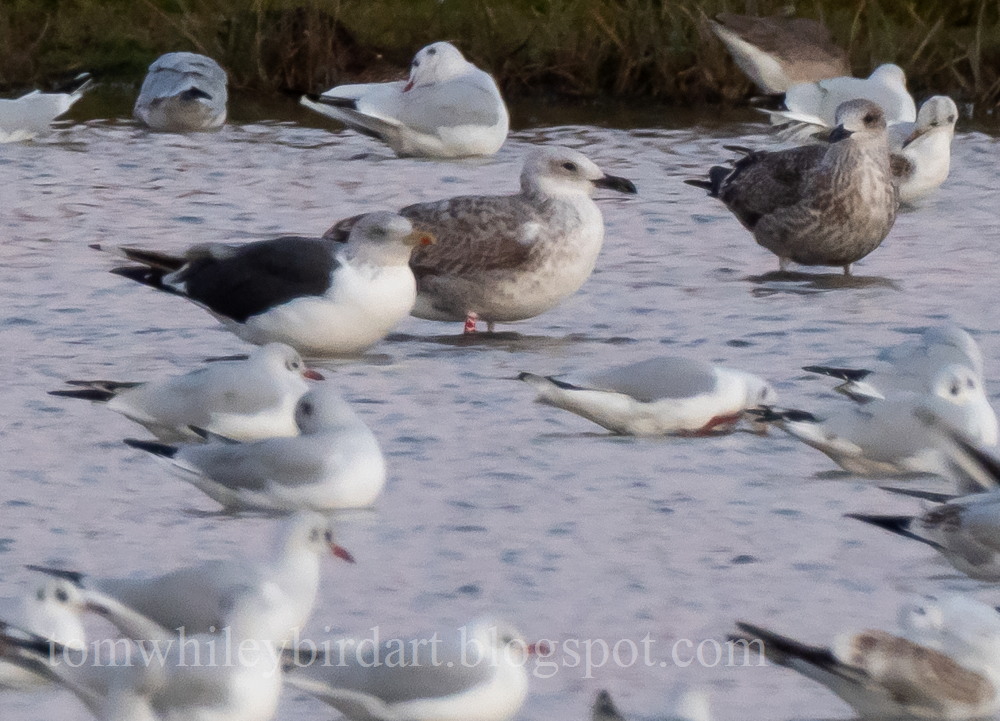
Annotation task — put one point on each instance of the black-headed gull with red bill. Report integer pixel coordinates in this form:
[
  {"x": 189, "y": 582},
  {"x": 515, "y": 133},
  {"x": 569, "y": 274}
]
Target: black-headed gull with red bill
[
  {"x": 503, "y": 258},
  {"x": 941, "y": 670},
  {"x": 201, "y": 598},
  {"x": 448, "y": 108},
  {"x": 183, "y": 92},
  {"x": 334, "y": 463},
  {"x": 245, "y": 399},
  {"x": 921, "y": 151},
  {"x": 53, "y": 611},
  {"x": 658, "y": 396},
  {"x": 473, "y": 673},
  {"x": 322, "y": 297},
  {"x": 887, "y": 437},
  {"x": 29, "y": 115}
]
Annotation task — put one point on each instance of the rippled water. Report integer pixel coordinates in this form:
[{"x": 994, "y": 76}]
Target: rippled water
[{"x": 494, "y": 503}]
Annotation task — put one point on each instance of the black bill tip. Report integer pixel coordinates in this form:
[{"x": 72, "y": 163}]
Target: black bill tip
[{"x": 613, "y": 182}]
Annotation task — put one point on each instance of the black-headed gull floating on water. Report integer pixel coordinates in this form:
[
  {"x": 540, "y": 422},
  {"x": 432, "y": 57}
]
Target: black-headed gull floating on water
[
  {"x": 321, "y": 297},
  {"x": 448, "y": 108},
  {"x": 658, "y": 396},
  {"x": 334, "y": 463},
  {"x": 779, "y": 52},
  {"x": 53, "y": 611},
  {"x": 688, "y": 705},
  {"x": 921, "y": 151},
  {"x": 29, "y": 115},
  {"x": 245, "y": 399},
  {"x": 948, "y": 670},
  {"x": 888, "y": 437},
  {"x": 201, "y": 598},
  {"x": 474, "y": 673},
  {"x": 816, "y": 205},
  {"x": 183, "y": 92},
  {"x": 503, "y": 258}
]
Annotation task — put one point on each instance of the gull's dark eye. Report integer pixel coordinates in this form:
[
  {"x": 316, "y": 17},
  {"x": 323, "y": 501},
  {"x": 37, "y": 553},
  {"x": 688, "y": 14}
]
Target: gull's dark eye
[
  {"x": 328, "y": 536},
  {"x": 571, "y": 167},
  {"x": 970, "y": 383},
  {"x": 314, "y": 535},
  {"x": 306, "y": 408},
  {"x": 61, "y": 595},
  {"x": 870, "y": 118},
  {"x": 415, "y": 64},
  {"x": 951, "y": 119},
  {"x": 955, "y": 388}
]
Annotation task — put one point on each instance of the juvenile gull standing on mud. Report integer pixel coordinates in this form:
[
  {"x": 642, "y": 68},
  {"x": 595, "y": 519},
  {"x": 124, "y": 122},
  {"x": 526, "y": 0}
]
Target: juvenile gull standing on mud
[
  {"x": 777, "y": 52},
  {"x": 502, "y": 258},
  {"x": 816, "y": 205},
  {"x": 658, "y": 396},
  {"x": 448, "y": 108},
  {"x": 183, "y": 92}
]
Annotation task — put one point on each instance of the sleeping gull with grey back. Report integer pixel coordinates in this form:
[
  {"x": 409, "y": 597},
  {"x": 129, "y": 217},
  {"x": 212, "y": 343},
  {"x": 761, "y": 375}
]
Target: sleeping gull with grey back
[
  {"x": 503, "y": 258},
  {"x": 448, "y": 108},
  {"x": 183, "y": 92}
]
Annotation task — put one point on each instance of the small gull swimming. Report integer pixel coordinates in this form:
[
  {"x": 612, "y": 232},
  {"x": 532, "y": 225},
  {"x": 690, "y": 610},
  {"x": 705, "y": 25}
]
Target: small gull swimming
[
  {"x": 779, "y": 52},
  {"x": 182, "y": 92},
  {"x": 448, "y": 108},
  {"x": 29, "y": 115},
  {"x": 201, "y": 598},
  {"x": 334, "y": 462},
  {"x": 476, "y": 673},
  {"x": 886, "y": 437},
  {"x": 816, "y": 205},
  {"x": 243, "y": 399},
  {"x": 658, "y": 396},
  {"x": 321, "y": 297},
  {"x": 951, "y": 672},
  {"x": 503, "y": 258},
  {"x": 921, "y": 151}
]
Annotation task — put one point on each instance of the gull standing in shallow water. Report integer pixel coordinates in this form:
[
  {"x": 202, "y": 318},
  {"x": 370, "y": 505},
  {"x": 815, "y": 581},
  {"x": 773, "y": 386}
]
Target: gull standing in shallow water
[
  {"x": 25, "y": 117},
  {"x": 334, "y": 463},
  {"x": 245, "y": 399},
  {"x": 778, "y": 52},
  {"x": 658, "y": 396},
  {"x": 448, "y": 108},
  {"x": 948, "y": 669},
  {"x": 503, "y": 258},
  {"x": 202, "y": 598},
  {"x": 183, "y": 92},
  {"x": 476, "y": 674},
  {"x": 816, "y": 205},
  {"x": 321, "y": 297}
]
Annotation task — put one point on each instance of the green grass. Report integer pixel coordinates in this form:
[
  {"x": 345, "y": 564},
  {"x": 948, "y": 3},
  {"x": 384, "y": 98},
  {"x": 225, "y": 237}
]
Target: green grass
[{"x": 639, "y": 49}]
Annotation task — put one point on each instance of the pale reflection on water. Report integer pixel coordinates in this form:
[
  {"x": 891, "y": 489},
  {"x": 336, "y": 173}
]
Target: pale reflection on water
[{"x": 494, "y": 503}]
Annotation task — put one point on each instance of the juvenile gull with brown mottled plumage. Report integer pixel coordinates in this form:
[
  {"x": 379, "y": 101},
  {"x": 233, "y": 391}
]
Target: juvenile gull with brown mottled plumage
[
  {"x": 816, "y": 205},
  {"x": 946, "y": 666},
  {"x": 503, "y": 258}
]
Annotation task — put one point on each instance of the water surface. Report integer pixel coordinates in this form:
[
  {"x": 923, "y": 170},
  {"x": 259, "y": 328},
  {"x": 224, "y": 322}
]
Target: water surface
[{"x": 494, "y": 503}]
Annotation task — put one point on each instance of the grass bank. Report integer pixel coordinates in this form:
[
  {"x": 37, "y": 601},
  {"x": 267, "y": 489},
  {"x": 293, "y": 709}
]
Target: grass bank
[{"x": 641, "y": 49}]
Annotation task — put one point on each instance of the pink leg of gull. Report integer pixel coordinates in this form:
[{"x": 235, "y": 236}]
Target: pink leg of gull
[{"x": 470, "y": 323}]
